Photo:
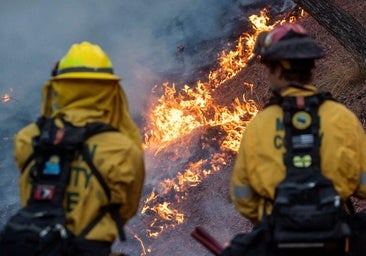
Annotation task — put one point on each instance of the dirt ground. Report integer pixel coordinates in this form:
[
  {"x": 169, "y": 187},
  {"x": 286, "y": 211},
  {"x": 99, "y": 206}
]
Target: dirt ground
[
  {"x": 339, "y": 72},
  {"x": 208, "y": 204}
]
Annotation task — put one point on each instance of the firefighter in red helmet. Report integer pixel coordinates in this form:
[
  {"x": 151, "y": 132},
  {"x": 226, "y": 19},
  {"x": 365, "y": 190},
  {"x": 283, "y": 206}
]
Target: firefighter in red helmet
[{"x": 288, "y": 52}]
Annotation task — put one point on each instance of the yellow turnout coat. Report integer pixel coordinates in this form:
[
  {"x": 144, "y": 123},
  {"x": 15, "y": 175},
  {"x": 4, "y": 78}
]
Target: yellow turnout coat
[
  {"x": 259, "y": 166},
  {"x": 118, "y": 156}
]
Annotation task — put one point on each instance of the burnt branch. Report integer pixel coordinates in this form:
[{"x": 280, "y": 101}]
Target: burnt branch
[{"x": 343, "y": 26}]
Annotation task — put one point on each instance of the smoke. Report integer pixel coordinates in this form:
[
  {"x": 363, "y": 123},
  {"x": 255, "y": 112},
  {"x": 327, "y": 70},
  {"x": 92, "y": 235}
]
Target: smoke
[
  {"x": 140, "y": 37},
  {"x": 149, "y": 42}
]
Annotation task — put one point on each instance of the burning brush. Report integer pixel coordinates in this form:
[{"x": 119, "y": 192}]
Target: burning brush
[{"x": 185, "y": 116}]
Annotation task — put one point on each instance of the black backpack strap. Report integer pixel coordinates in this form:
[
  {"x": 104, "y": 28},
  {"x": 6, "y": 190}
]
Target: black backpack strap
[
  {"x": 91, "y": 225},
  {"x": 115, "y": 213},
  {"x": 350, "y": 206},
  {"x": 73, "y": 139},
  {"x": 277, "y": 99},
  {"x": 53, "y": 154},
  {"x": 113, "y": 209},
  {"x": 96, "y": 173},
  {"x": 302, "y": 124},
  {"x": 40, "y": 122}
]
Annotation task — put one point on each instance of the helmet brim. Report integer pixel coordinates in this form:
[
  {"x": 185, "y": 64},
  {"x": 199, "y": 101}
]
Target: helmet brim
[
  {"x": 87, "y": 75},
  {"x": 294, "y": 48}
]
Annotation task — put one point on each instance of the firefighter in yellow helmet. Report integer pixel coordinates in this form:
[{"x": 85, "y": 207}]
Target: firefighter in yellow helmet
[
  {"x": 289, "y": 53},
  {"x": 84, "y": 89}
]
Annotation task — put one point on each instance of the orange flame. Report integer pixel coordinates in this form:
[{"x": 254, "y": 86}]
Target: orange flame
[
  {"x": 5, "y": 98},
  {"x": 177, "y": 113}
]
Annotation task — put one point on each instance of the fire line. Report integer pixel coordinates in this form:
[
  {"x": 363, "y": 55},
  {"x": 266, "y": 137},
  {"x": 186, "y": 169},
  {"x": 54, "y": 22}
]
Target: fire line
[{"x": 178, "y": 114}]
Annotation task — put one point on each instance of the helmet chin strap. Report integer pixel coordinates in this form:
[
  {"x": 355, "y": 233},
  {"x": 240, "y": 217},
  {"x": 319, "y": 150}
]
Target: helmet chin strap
[{"x": 276, "y": 91}]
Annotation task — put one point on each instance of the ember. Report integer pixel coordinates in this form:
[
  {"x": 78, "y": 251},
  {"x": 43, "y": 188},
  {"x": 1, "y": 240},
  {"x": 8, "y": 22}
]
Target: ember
[{"x": 5, "y": 98}]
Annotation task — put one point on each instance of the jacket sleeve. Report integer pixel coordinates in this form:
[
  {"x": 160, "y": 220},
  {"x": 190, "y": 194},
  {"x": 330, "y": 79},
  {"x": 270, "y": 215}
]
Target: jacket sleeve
[
  {"x": 22, "y": 151},
  {"x": 361, "y": 148},
  {"x": 126, "y": 179},
  {"x": 245, "y": 199},
  {"x": 23, "y": 144},
  {"x": 134, "y": 189}
]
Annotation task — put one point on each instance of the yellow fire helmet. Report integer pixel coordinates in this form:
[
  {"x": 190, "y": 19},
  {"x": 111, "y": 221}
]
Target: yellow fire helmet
[{"x": 85, "y": 61}]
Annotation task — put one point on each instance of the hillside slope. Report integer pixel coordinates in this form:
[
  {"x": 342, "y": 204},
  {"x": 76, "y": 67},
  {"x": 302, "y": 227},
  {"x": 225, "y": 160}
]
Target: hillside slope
[
  {"x": 208, "y": 204},
  {"x": 339, "y": 72}
]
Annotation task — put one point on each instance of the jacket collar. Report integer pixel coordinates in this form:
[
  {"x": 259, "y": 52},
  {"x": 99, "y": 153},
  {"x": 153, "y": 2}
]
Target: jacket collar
[{"x": 306, "y": 90}]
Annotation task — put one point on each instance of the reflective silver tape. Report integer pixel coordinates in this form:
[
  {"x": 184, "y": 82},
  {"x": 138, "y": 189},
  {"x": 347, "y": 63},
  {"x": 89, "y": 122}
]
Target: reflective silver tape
[
  {"x": 363, "y": 178},
  {"x": 242, "y": 192}
]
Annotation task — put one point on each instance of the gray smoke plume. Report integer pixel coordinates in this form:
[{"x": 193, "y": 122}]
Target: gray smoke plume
[{"x": 149, "y": 42}]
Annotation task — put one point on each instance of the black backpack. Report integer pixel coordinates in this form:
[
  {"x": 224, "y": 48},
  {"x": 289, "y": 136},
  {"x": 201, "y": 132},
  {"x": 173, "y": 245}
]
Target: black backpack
[
  {"x": 39, "y": 228},
  {"x": 307, "y": 216}
]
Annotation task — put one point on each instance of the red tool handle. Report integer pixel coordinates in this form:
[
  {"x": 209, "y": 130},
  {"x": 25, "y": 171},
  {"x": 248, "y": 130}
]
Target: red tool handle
[{"x": 207, "y": 241}]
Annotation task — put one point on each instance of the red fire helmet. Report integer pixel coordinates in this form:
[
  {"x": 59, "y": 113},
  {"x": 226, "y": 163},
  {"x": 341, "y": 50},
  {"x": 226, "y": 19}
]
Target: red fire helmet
[{"x": 288, "y": 41}]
